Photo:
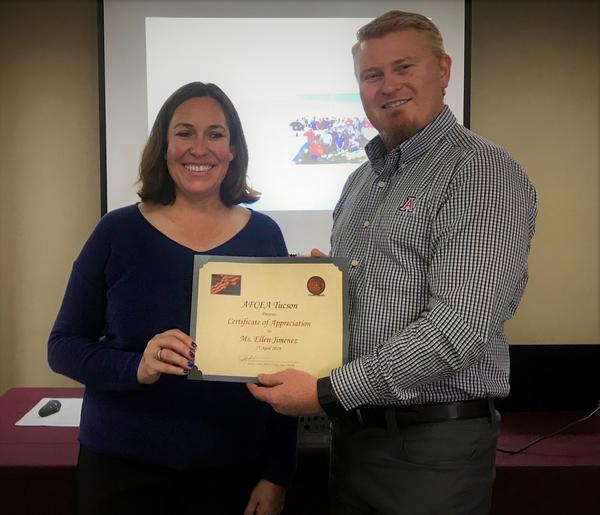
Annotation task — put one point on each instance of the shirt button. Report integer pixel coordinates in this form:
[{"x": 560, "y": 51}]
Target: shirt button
[
  {"x": 381, "y": 184},
  {"x": 366, "y": 223},
  {"x": 354, "y": 263}
]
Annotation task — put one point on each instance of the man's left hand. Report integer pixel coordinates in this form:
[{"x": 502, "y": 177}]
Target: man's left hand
[{"x": 290, "y": 392}]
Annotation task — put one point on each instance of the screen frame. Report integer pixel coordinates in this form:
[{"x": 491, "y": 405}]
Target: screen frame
[{"x": 102, "y": 93}]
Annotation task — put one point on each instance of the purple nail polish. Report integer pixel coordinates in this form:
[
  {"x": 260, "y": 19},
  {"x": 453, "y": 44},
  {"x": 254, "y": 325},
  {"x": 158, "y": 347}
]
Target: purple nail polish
[
  {"x": 194, "y": 345},
  {"x": 190, "y": 364}
]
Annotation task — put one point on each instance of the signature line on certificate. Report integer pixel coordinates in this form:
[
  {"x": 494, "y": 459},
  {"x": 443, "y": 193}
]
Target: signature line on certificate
[{"x": 261, "y": 360}]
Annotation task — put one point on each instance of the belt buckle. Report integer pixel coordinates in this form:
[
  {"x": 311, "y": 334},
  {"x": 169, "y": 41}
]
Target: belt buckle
[{"x": 405, "y": 417}]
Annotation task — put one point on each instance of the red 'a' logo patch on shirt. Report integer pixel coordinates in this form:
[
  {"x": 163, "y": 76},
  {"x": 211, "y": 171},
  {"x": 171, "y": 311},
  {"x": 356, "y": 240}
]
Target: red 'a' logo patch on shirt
[{"x": 409, "y": 205}]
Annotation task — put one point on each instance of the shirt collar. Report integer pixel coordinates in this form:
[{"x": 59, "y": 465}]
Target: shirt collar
[{"x": 415, "y": 146}]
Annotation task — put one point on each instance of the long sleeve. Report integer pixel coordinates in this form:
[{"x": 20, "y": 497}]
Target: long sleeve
[{"x": 76, "y": 347}]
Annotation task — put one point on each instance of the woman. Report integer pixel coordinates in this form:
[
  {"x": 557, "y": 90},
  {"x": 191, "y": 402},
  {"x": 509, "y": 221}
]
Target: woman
[{"x": 151, "y": 441}]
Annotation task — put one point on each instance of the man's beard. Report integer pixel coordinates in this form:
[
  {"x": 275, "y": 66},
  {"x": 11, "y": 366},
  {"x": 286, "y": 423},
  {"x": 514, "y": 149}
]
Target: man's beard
[{"x": 398, "y": 134}]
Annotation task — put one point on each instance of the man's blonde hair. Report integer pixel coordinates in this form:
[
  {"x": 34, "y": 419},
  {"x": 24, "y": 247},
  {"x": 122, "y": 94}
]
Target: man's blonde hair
[{"x": 396, "y": 21}]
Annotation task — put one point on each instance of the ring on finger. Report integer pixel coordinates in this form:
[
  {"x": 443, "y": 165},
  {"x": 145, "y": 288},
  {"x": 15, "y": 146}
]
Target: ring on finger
[{"x": 158, "y": 357}]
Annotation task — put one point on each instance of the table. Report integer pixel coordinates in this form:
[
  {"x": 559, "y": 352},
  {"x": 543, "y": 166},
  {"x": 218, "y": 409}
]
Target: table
[
  {"x": 37, "y": 464},
  {"x": 560, "y": 475}
]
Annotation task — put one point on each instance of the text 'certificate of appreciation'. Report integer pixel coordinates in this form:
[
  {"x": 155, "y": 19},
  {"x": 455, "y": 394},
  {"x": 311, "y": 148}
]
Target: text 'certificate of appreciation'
[{"x": 262, "y": 315}]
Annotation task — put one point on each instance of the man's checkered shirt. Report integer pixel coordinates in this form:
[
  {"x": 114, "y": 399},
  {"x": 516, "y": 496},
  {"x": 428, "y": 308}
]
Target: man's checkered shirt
[{"x": 437, "y": 233}]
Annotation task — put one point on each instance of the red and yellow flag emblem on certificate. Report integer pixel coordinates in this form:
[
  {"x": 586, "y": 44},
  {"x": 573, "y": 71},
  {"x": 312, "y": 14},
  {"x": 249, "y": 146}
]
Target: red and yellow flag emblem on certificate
[{"x": 224, "y": 284}]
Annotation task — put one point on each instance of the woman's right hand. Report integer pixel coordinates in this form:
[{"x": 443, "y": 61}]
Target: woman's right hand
[{"x": 171, "y": 352}]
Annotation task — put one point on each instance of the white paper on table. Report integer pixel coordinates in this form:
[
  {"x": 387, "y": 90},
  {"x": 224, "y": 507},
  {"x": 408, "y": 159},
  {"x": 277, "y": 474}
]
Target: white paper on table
[{"x": 67, "y": 416}]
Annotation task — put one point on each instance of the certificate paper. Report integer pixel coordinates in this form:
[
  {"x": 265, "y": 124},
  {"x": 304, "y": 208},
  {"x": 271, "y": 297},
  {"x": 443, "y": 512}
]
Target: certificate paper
[{"x": 262, "y": 315}]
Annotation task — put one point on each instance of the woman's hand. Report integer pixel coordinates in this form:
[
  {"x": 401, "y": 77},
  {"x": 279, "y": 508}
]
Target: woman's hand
[
  {"x": 266, "y": 499},
  {"x": 171, "y": 352}
]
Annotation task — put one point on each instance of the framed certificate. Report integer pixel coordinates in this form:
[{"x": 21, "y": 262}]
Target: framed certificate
[{"x": 263, "y": 315}]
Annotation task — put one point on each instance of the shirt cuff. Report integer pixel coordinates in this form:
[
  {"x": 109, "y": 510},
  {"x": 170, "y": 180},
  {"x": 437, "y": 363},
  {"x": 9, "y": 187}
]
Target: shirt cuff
[{"x": 352, "y": 386}]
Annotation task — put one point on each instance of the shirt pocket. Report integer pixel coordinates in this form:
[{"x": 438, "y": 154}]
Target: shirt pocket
[{"x": 405, "y": 237}]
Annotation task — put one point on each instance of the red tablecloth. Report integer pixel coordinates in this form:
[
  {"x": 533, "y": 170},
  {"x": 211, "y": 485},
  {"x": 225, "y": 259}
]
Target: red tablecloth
[
  {"x": 37, "y": 464},
  {"x": 560, "y": 475}
]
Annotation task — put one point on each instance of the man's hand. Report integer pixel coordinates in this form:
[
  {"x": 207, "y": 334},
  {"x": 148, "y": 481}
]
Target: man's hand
[
  {"x": 291, "y": 392},
  {"x": 266, "y": 499}
]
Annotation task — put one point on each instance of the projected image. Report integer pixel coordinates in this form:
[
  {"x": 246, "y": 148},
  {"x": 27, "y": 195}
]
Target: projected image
[{"x": 331, "y": 139}]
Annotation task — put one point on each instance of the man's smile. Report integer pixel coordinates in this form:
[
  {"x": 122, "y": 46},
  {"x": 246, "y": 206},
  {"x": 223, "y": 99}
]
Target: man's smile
[{"x": 395, "y": 103}]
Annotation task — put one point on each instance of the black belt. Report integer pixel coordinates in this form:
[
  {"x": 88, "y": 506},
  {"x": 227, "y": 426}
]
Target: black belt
[{"x": 383, "y": 416}]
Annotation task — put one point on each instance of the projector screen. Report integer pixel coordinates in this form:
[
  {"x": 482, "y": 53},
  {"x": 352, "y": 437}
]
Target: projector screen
[{"x": 287, "y": 67}]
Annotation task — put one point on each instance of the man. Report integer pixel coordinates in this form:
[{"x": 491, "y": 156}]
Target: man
[{"x": 437, "y": 226}]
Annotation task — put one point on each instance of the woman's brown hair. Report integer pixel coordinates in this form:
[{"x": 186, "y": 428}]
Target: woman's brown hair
[{"x": 157, "y": 187}]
